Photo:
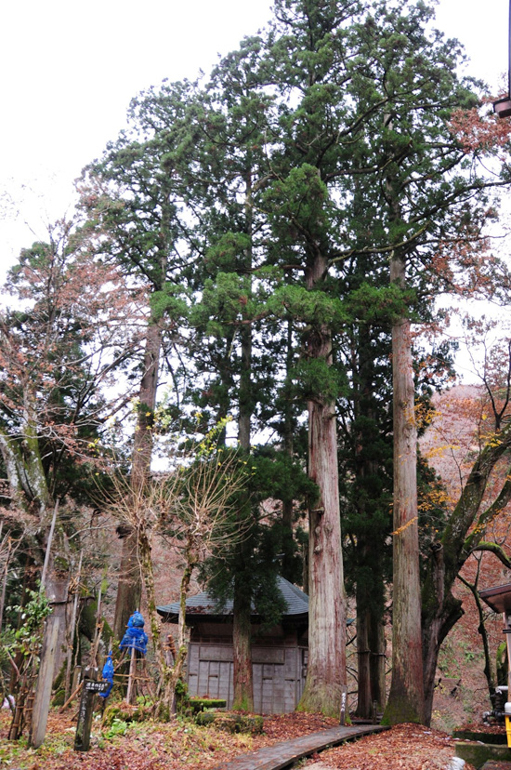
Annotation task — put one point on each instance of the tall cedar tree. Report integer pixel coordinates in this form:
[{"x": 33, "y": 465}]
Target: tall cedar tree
[
  {"x": 302, "y": 61},
  {"x": 345, "y": 157},
  {"x": 373, "y": 123},
  {"x": 422, "y": 197},
  {"x": 233, "y": 146},
  {"x": 365, "y": 472}
]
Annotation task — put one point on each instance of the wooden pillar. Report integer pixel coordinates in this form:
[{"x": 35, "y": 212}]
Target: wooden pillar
[
  {"x": 507, "y": 630},
  {"x": 84, "y": 724},
  {"x": 44, "y": 684}
]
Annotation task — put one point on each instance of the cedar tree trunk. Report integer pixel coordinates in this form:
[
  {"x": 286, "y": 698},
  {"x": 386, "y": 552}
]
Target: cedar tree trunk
[
  {"x": 242, "y": 599},
  {"x": 242, "y": 646},
  {"x": 406, "y": 698},
  {"x": 326, "y": 672},
  {"x": 129, "y": 587}
]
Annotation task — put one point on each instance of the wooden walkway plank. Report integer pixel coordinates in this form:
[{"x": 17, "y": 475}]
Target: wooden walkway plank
[{"x": 281, "y": 755}]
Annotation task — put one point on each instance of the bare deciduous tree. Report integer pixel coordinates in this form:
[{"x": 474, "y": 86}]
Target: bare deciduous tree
[{"x": 192, "y": 507}]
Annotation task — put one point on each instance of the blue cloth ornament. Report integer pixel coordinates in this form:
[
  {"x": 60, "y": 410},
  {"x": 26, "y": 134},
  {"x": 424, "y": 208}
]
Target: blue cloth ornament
[
  {"x": 135, "y": 637},
  {"x": 108, "y": 674}
]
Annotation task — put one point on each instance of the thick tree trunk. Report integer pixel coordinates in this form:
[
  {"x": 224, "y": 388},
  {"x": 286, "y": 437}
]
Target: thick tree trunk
[
  {"x": 326, "y": 672},
  {"x": 245, "y": 394},
  {"x": 129, "y": 586},
  {"x": 406, "y": 698},
  {"x": 242, "y": 599},
  {"x": 242, "y": 646}
]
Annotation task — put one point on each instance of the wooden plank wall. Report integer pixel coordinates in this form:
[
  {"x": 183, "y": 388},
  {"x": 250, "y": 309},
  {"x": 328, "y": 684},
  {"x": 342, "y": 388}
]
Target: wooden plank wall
[{"x": 279, "y": 674}]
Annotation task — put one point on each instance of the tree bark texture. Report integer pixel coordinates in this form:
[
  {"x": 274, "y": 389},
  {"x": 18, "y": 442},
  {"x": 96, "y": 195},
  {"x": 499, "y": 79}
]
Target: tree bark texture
[
  {"x": 242, "y": 647},
  {"x": 436, "y": 630},
  {"x": 245, "y": 392},
  {"x": 406, "y": 698},
  {"x": 129, "y": 586},
  {"x": 243, "y": 683},
  {"x": 326, "y": 672}
]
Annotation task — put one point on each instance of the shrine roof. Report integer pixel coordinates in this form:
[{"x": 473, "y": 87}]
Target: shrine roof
[
  {"x": 498, "y": 598},
  {"x": 204, "y": 606}
]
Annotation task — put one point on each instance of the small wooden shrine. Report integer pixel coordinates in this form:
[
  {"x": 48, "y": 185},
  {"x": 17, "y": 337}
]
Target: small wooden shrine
[
  {"x": 279, "y": 655},
  {"x": 499, "y": 599}
]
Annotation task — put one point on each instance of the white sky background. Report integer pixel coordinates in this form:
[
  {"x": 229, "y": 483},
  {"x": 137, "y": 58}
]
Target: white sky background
[{"x": 69, "y": 69}]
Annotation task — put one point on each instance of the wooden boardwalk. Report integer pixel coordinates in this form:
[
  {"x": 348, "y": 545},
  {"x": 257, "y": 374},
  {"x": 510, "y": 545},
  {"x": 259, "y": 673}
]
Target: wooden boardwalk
[{"x": 281, "y": 755}]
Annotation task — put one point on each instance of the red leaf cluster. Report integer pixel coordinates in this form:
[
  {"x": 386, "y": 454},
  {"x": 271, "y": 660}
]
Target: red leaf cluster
[{"x": 479, "y": 132}]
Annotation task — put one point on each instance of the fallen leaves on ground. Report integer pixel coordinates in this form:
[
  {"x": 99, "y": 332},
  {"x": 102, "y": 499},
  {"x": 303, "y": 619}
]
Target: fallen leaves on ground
[
  {"x": 182, "y": 745},
  {"x": 176, "y": 745},
  {"x": 478, "y": 727},
  {"x": 404, "y": 747}
]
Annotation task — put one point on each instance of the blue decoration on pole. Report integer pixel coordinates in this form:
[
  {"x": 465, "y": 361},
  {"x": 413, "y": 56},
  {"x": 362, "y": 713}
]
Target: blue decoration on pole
[
  {"x": 108, "y": 675},
  {"x": 135, "y": 637}
]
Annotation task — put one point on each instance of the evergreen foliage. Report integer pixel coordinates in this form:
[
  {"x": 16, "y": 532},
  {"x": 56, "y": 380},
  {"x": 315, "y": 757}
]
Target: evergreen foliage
[{"x": 251, "y": 219}]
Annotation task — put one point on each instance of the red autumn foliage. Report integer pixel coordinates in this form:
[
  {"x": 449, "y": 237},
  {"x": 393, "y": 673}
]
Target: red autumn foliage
[{"x": 480, "y": 132}]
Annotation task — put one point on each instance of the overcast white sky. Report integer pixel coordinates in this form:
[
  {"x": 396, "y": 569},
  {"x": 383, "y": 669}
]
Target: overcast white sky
[{"x": 69, "y": 69}]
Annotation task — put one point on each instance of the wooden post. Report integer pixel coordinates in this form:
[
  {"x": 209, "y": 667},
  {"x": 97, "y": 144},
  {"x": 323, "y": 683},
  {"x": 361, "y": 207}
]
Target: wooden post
[
  {"x": 507, "y": 630},
  {"x": 131, "y": 675},
  {"x": 84, "y": 724},
  {"x": 44, "y": 685},
  {"x": 56, "y": 584},
  {"x": 344, "y": 694}
]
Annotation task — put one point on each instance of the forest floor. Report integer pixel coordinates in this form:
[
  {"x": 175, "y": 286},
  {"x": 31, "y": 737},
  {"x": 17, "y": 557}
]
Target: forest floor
[{"x": 182, "y": 745}]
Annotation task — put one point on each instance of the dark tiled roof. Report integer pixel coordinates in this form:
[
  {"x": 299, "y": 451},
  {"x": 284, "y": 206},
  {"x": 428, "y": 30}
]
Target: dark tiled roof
[{"x": 297, "y": 603}]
